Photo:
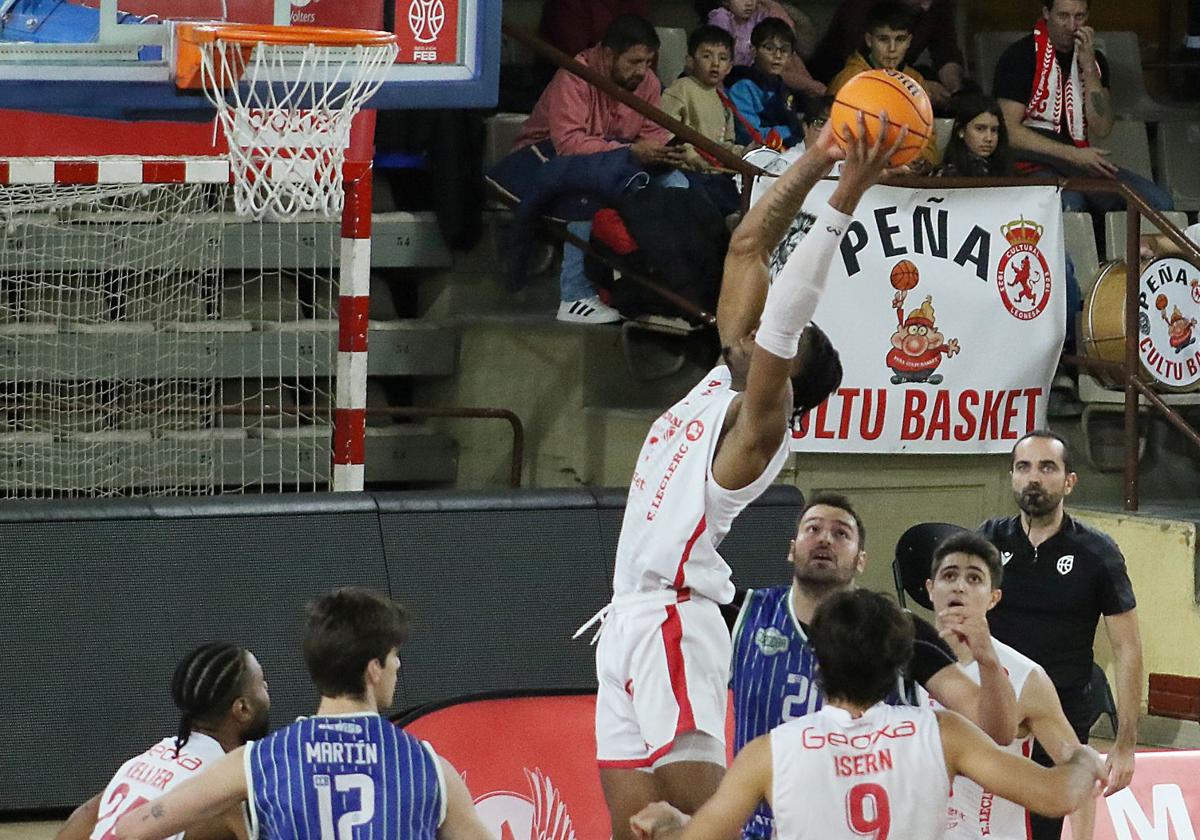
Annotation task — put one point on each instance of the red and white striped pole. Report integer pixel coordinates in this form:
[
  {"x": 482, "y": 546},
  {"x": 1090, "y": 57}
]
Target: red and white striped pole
[{"x": 350, "y": 406}]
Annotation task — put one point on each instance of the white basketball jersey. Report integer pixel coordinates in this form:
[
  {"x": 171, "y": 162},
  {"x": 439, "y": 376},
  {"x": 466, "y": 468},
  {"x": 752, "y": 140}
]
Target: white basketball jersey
[
  {"x": 677, "y": 515},
  {"x": 842, "y": 778},
  {"x": 974, "y": 813},
  {"x": 148, "y": 776}
]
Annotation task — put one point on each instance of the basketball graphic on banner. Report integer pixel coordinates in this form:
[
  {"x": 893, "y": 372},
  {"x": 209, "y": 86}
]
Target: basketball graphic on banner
[
  {"x": 1167, "y": 344},
  {"x": 426, "y": 19}
]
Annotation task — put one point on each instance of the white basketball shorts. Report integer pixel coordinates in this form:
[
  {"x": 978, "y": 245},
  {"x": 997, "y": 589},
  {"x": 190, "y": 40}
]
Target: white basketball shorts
[{"x": 663, "y": 667}]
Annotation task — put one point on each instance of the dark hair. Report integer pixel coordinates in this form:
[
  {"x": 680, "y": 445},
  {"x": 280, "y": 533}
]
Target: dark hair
[
  {"x": 709, "y": 35},
  {"x": 835, "y": 500},
  {"x": 890, "y": 14},
  {"x": 957, "y": 159},
  {"x": 973, "y": 544},
  {"x": 772, "y": 27},
  {"x": 820, "y": 370},
  {"x": 205, "y": 683},
  {"x": 1049, "y": 4},
  {"x": 862, "y": 640},
  {"x": 816, "y": 106},
  {"x": 628, "y": 31},
  {"x": 347, "y": 628},
  {"x": 1049, "y": 435}
]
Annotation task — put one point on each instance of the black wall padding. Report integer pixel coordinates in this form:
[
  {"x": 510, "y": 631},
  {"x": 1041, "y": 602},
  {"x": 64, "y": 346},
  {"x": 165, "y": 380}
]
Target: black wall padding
[{"x": 102, "y": 599}]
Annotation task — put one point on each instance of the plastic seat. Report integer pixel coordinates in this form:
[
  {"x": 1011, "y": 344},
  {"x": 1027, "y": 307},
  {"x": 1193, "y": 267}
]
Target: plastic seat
[
  {"x": 1128, "y": 82},
  {"x": 1079, "y": 235},
  {"x": 1129, "y": 146},
  {"x": 914, "y": 556},
  {"x": 988, "y": 47},
  {"x": 942, "y": 126},
  {"x": 672, "y": 52},
  {"x": 1178, "y": 147},
  {"x": 1114, "y": 230},
  {"x": 1102, "y": 699}
]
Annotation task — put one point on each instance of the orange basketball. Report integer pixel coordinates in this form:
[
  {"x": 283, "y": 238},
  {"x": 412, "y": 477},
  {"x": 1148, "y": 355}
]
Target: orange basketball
[
  {"x": 1161, "y": 302},
  {"x": 905, "y": 276},
  {"x": 877, "y": 91}
]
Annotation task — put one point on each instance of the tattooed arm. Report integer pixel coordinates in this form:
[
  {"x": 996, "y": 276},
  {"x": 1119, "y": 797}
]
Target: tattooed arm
[
  {"x": 745, "y": 280},
  {"x": 200, "y": 798}
]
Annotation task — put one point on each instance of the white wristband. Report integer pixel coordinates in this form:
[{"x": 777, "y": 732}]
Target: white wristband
[{"x": 797, "y": 289}]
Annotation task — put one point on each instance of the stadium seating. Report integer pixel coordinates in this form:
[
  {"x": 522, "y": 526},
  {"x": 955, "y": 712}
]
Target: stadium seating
[
  {"x": 1080, "y": 237},
  {"x": 1129, "y": 146},
  {"x": 1178, "y": 150},
  {"x": 1128, "y": 83},
  {"x": 1114, "y": 230},
  {"x": 672, "y": 52}
]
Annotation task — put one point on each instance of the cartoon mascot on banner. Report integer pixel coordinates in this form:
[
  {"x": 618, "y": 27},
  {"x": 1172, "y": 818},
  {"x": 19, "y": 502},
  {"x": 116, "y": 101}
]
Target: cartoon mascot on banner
[{"x": 917, "y": 344}]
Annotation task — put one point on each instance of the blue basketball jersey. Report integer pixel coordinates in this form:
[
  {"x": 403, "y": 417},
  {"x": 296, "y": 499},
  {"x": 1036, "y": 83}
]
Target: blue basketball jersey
[
  {"x": 773, "y": 676},
  {"x": 344, "y": 777}
]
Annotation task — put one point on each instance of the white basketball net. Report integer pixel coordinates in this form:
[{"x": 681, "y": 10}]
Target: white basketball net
[{"x": 286, "y": 113}]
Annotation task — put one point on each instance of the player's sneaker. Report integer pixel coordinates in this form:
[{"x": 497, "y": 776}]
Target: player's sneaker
[{"x": 590, "y": 310}]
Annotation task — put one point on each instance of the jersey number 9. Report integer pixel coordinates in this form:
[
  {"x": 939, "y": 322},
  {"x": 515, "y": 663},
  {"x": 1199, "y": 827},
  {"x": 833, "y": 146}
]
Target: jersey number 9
[{"x": 875, "y": 824}]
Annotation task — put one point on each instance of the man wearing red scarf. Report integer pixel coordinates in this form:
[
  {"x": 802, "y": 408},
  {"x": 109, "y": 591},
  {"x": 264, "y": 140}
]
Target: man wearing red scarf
[{"x": 1052, "y": 86}]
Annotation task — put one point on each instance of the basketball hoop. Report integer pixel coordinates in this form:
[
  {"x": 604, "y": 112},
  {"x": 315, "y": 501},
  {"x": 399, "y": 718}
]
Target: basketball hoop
[{"x": 285, "y": 98}]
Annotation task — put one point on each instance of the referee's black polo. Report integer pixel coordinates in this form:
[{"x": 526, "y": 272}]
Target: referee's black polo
[{"x": 1054, "y": 594}]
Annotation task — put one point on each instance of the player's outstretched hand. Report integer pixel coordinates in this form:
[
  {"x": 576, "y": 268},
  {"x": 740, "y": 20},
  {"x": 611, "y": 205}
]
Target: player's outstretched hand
[
  {"x": 656, "y": 818},
  {"x": 866, "y": 160}
]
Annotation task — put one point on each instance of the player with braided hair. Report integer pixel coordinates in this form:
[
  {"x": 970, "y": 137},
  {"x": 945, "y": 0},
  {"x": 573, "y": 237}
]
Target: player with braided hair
[{"x": 223, "y": 703}]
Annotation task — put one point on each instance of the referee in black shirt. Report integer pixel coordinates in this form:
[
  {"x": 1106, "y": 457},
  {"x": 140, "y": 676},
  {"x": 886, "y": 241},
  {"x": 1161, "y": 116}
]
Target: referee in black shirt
[{"x": 1060, "y": 576}]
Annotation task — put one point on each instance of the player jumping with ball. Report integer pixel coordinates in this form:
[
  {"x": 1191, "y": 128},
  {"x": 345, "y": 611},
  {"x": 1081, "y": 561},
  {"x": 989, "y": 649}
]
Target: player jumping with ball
[{"x": 663, "y": 657}]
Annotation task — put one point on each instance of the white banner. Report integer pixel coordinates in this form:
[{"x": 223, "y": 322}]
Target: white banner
[{"x": 948, "y": 309}]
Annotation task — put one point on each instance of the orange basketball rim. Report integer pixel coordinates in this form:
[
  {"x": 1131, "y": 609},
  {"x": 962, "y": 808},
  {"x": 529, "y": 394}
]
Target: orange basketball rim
[{"x": 192, "y": 38}]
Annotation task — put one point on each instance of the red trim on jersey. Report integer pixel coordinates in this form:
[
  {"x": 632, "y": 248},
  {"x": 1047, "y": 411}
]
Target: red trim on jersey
[
  {"x": 672, "y": 633},
  {"x": 1027, "y": 751},
  {"x": 687, "y": 552}
]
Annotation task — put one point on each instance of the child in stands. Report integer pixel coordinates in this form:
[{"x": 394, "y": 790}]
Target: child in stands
[
  {"x": 885, "y": 41},
  {"x": 739, "y": 17},
  {"x": 978, "y": 146},
  {"x": 764, "y": 104},
  {"x": 694, "y": 99}
]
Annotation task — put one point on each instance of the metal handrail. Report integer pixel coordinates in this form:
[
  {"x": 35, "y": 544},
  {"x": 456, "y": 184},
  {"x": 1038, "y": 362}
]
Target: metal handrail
[
  {"x": 1136, "y": 207},
  {"x": 685, "y": 132},
  {"x": 415, "y": 412}
]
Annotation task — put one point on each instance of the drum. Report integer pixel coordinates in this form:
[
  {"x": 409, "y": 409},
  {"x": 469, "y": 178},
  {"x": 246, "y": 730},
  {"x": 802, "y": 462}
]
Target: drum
[
  {"x": 1102, "y": 326},
  {"x": 1168, "y": 351}
]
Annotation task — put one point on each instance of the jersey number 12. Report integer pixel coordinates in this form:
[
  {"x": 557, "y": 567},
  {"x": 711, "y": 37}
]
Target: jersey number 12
[{"x": 346, "y": 822}]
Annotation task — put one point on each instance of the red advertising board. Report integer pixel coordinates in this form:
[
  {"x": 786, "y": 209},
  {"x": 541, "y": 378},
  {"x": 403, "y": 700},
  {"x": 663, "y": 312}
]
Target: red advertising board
[
  {"x": 529, "y": 762},
  {"x": 1162, "y": 803}
]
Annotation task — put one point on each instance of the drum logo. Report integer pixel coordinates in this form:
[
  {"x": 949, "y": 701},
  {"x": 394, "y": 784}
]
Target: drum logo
[
  {"x": 1023, "y": 277},
  {"x": 426, "y": 19},
  {"x": 539, "y": 815},
  {"x": 1167, "y": 315}
]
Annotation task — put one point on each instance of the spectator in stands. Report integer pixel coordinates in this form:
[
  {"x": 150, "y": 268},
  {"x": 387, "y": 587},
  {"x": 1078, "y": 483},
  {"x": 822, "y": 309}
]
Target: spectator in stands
[
  {"x": 694, "y": 100},
  {"x": 740, "y": 17},
  {"x": 1052, "y": 86},
  {"x": 575, "y": 25},
  {"x": 978, "y": 146},
  {"x": 764, "y": 106},
  {"x": 886, "y": 36},
  {"x": 932, "y": 28},
  {"x": 572, "y": 118}
]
